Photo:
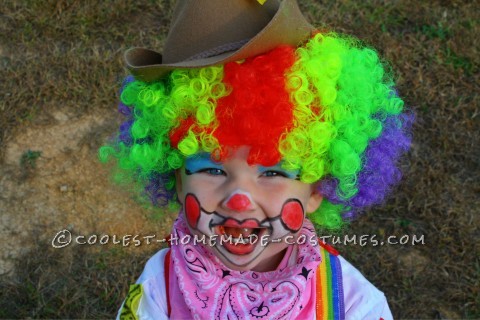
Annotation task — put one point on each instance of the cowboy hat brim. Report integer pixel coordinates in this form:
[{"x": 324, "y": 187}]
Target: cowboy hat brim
[{"x": 287, "y": 27}]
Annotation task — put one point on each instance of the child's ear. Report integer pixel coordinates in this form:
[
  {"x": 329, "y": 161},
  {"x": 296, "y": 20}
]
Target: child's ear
[
  {"x": 179, "y": 186},
  {"x": 314, "y": 201}
]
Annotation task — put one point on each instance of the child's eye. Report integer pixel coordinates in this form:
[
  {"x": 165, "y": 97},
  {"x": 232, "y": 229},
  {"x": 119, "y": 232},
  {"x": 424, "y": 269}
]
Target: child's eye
[
  {"x": 278, "y": 171},
  {"x": 272, "y": 173},
  {"x": 213, "y": 171}
]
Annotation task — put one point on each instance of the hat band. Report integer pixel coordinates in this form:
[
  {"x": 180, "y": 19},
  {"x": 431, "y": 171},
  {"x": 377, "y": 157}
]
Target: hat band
[{"x": 228, "y": 47}]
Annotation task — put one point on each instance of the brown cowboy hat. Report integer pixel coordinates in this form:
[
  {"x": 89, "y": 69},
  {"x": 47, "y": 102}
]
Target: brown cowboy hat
[{"x": 210, "y": 32}]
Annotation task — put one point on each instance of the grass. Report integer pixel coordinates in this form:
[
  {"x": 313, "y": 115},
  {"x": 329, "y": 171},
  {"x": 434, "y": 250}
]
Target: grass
[
  {"x": 71, "y": 283},
  {"x": 29, "y": 158},
  {"x": 28, "y": 162},
  {"x": 66, "y": 55}
]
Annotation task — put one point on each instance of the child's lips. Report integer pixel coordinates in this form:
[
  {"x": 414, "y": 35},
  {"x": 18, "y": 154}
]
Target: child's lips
[
  {"x": 248, "y": 223},
  {"x": 236, "y": 233},
  {"x": 239, "y": 234},
  {"x": 237, "y": 229}
]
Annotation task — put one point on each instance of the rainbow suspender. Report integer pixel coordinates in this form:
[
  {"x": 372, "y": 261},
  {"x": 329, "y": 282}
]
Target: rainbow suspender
[{"x": 329, "y": 286}]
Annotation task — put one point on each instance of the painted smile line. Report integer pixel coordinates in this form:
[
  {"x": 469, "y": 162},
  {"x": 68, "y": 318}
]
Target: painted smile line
[
  {"x": 237, "y": 235},
  {"x": 291, "y": 216}
]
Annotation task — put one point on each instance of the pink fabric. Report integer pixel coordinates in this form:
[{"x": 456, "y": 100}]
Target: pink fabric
[{"x": 201, "y": 287}]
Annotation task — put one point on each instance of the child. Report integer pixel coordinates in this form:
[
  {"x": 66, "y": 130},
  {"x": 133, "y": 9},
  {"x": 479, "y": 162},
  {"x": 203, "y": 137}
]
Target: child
[{"x": 258, "y": 125}]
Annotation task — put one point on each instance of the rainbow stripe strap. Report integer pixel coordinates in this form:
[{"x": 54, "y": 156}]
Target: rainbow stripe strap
[{"x": 329, "y": 287}]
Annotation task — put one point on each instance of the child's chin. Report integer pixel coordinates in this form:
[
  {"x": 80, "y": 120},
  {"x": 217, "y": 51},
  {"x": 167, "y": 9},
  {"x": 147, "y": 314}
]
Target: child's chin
[
  {"x": 233, "y": 263},
  {"x": 265, "y": 260}
]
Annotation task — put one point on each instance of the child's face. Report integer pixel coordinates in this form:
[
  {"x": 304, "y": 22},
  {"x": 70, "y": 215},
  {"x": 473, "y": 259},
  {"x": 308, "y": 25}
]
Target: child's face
[{"x": 234, "y": 199}]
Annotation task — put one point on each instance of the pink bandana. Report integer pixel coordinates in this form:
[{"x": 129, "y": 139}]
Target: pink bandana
[{"x": 203, "y": 288}]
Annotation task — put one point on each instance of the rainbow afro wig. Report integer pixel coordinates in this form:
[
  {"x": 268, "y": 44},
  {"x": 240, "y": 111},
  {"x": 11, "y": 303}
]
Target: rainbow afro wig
[{"x": 327, "y": 108}]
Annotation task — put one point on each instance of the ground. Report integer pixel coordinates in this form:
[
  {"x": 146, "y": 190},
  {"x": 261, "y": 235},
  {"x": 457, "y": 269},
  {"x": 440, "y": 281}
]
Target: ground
[{"x": 62, "y": 67}]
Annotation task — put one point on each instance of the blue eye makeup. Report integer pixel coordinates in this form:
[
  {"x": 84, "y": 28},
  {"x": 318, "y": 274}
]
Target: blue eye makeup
[{"x": 202, "y": 163}]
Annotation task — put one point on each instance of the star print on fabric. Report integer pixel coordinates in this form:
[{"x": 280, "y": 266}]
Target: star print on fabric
[
  {"x": 225, "y": 273},
  {"x": 305, "y": 272}
]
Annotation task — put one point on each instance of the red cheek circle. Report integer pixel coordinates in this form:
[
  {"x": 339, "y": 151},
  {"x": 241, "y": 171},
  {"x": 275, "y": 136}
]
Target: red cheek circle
[
  {"x": 292, "y": 215},
  {"x": 192, "y": 210}
]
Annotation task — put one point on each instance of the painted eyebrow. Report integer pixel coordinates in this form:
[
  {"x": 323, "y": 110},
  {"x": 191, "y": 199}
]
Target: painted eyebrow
[{"x": 200, "y": 161}]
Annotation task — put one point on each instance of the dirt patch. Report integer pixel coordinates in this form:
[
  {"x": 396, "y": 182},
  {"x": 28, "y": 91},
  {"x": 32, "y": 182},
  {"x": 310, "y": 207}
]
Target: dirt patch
[
  {"x": 412, "y": 262},
  {"x": 59, "y": 185}
]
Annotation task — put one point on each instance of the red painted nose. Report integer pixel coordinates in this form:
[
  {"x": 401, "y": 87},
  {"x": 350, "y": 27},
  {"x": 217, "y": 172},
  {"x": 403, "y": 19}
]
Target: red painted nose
[{"x": 239, "y": 202}]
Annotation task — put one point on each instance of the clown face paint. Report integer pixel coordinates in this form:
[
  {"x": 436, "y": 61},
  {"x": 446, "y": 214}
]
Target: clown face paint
[{"x": 244, "y": 204}]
